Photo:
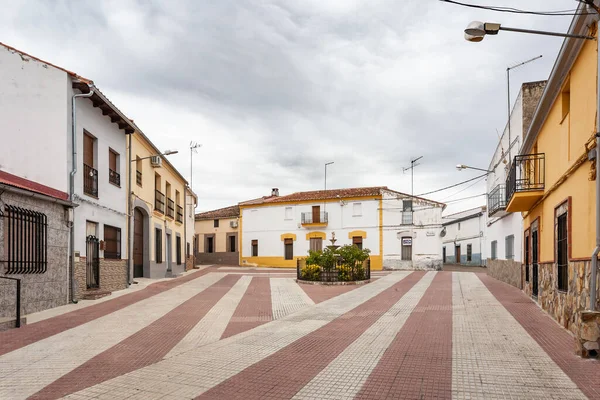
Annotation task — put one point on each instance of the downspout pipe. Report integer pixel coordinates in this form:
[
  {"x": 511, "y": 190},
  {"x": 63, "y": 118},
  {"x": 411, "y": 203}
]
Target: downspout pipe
[
  {"x": 597, "y": 249},
  {"x": 72, "y": 182},
  {"x": 130, "y": 215}
]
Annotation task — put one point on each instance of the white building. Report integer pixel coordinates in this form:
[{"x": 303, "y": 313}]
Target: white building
[
  {"x": 36, "y": 110},
  {"x": 503, "y": 239},
  {"x": 191, "y": 201},
  {"x": 463, "y": 237},
  {"x": 402, "y": 232}
]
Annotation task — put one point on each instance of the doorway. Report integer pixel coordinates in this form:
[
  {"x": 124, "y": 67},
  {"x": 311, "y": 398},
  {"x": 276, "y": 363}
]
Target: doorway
[
  {"x": 457, "y": 254},
  {"x": 444, "y": 255},
  {"x": 316, "y": 214},
  {"x": 168, "y": 252},
  {"x": 210, "y": 244},
  {"x": 534, "y": 262},
  {"x": 138, "y": 243}
]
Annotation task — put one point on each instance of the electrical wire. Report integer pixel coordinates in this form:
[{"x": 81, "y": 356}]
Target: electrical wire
[
  {"x": 518, "y": 11},
  {"x": 462, "y": 190},
  {"x": 455, "y": 185}
]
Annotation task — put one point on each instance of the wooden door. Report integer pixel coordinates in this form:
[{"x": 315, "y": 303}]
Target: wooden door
[
  {"x": 316, "y": 244},
  {"x": 316, "y": 214},
  {"x": 138, "y": 244},
  {"x": 444, "y": 255},
  {"x": 88, "y": 150},
  {"x": 112, "y": 160},
  {"x": 457, "y": 254}
]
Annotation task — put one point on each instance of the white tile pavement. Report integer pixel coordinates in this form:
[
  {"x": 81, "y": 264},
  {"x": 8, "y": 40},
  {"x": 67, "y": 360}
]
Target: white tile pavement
[
  {"x": 203, "y": 368},
  {"x": 211, "y": 327},
  {"x": 41, "y": 363},
  {"x": 344, "y": 376},
  {"x": 287, "y": 297},
  {"x": 493, "y": 356}
]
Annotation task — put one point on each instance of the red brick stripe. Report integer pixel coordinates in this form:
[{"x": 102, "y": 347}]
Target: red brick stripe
[
  {"x": 16, "y": 338},
  {"x": 319, "y": 293},
  {"x": 283, "y": 374},
  {"x": 143, "y": 348},
  {"x": 254, "y": 309},
  {"x": 556, "y": 341},
  {"x": 418, "y": 363}
]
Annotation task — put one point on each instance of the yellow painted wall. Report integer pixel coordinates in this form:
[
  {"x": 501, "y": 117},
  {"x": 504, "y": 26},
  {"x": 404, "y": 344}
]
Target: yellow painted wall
[
  {"x": 141, "y": 148},
  {"x": 203, "y": 227},
  {"x": 563, "y": 142},
  {"x": 281, "y": 262}
]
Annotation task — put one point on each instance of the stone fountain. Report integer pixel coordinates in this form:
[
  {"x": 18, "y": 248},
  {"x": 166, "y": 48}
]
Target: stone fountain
[{"x": 333, "y": 246}]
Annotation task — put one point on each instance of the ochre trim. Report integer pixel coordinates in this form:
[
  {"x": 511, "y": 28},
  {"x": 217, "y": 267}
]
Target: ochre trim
[
  {"x": 316, "y": 225},
  {"x": 316, "y": 235},
  {"x": 288, "y": 236},
  {"x": 281, "y": 262},
  {"x": 362, "y": 234},
  {"x": 316, "y": 201}
]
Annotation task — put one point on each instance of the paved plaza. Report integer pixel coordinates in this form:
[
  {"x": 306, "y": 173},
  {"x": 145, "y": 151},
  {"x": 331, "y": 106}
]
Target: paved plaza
[{"x": 233, "y": 333}]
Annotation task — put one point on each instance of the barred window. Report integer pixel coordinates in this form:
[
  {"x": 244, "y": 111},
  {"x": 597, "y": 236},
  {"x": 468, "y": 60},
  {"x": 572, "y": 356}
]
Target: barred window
[
  {"x": 158, "y": 245},
  {"x": 562, "y": 253},
  {"x": 25, "y": 241},
  {"x": 469, "y": 252}
]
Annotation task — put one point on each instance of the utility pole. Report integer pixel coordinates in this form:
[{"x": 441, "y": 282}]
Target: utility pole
[
  {"x": 413, "y": 164},
  {"x": 326, "y": 164},
  {"x": 194, "y": 146}
]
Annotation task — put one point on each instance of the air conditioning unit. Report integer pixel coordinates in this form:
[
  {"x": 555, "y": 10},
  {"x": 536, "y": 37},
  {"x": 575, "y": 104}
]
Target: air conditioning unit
[
  {"x": 233, "y": 224},
  {"x": 156, "y": 161}
]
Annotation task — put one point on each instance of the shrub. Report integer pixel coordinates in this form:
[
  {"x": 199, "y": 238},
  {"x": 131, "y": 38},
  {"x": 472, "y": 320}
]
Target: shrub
[
  {"x": 311, "y": 272},
  {"x": 349, "y": 259}
]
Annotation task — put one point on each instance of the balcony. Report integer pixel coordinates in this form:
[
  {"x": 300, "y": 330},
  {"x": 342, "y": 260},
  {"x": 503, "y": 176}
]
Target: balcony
[
  {"x": 526, "y": 182},
  {"x": 138, "y": 177},
  {"x": 170, "y": 208},
  {"x": 314, "y": 219},
  {"x": 114, "y": 177},
  {"x": 159, "y": 202},
  {"x": 90, "y": 180},
  {"x": 179, "y": 214},
  {"x": 497, "y": 201}
]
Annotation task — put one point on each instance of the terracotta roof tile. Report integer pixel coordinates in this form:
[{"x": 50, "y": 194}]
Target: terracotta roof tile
[
  {"x": 227, "y": 212},
  {"x": 328, "y": 194},
  {"x": 22, "y": 183}
]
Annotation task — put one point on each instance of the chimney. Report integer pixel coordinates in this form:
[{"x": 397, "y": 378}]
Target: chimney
[{"x": 275, "y": 192}]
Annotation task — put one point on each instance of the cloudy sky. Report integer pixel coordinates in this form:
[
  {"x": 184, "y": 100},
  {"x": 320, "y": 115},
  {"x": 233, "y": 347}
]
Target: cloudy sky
[{"x": 273, "y": 89}]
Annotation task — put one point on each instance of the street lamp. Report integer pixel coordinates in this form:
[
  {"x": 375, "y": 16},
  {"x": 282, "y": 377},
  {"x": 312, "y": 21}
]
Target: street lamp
[
  {"x": 460, "y": 167},
  {"x": 166, "y": 153},
  {"x": 477, "y": 30}
]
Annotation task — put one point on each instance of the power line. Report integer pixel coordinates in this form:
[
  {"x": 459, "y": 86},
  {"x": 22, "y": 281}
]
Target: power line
[
  {"x": 462, "y": 190},
  {"x": 455, "y": 185},
  {"x": 518, "y": 11}
]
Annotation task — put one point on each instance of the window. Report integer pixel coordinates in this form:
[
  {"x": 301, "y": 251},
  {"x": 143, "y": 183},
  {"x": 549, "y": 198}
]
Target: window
[
  {"x": 112, "y": 242},
  {"x": 459, "y": 226},
  {"x": 526, "y": 258},
  {"x": 25, "y": 239},
  {"x": 159, "y": 197},
  {"x": 232, "y": 242},
  {"x": 357, "y": 209},
  {"x": 210, "y": 244},
  {"x": 158, "y": 245},
  {"x": 509, "y": 247},
  {"x": 170, "y": 202},
  {"x": 494, "y": 250},
  {"x": 113, "y": 168},
  {"x": 178, "y": 250},
  {"x": 289, "y": 249},
  {"x": 562, "y": 247},
  {"x": 90, "y": 174},
  {"x": 316, "y": 244},
  {"x": 357, "y": 241},
  {"x": 469, "y": 252},
  {"x": 91, "y": 229},
  {"x": 216, "y": 223},
  {"x": 406, "y": 248},
  {"x": 138, "y": 170},
  {"x": 289, "y": 213},
  {"x": 407, "y": 212},
  {"x": 255, "y": 248}
]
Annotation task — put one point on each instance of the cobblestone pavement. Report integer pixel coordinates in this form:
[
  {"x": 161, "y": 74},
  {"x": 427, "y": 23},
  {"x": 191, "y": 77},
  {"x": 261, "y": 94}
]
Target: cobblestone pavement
[{"x": 234, "y": 333}]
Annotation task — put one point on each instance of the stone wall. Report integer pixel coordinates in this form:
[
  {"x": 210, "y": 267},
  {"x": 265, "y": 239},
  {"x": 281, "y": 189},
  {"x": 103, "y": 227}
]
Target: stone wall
[
  {"x": 507, "y": 271},
  {"x": 223, "y": 258},
  {"x": 38, "y": 291},
  {"x": 113, "y": 275},
  {"x": 565, "y": 307},
  {"x": 418, "y": 264}
]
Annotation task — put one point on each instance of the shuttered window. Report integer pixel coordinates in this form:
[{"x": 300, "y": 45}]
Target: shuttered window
[
  {"x": 509, "y": 249},
  {"x": 112, "y": 242},
  {"x": 357, "y": 241},
  {"x": 316, "y": 244},
  {"x": 494, "y": 250}
]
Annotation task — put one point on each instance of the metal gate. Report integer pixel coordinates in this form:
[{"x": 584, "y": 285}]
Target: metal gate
[{"x": 92, "y": 262}]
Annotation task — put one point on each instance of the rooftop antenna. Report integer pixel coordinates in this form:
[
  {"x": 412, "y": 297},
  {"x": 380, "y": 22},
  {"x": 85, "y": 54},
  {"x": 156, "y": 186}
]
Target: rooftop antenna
[
  {"x": 413, "y": 164},
  {"x": 194, "y": 146}
]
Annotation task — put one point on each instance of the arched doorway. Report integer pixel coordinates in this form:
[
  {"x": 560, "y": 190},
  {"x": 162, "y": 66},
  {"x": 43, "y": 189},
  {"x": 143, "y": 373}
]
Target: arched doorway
[{"x": 138, "y": 243}]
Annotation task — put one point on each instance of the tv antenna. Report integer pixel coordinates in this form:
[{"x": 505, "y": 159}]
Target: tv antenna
[
  {"x": 194, "y": 146},
  {"x": 413, "y": 164}
]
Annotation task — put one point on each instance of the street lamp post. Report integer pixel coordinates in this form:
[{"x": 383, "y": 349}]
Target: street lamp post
[
  {"x": 325, "y": 202},
  {"x": 460, "y": 167},
  {"x": 130, "y": 208},
  {"x": 475, "y": 32}
]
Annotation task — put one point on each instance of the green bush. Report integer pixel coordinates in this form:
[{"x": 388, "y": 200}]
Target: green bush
[
  {"x": 311, "y": 272},
  {"x": 350, "y": 259}
]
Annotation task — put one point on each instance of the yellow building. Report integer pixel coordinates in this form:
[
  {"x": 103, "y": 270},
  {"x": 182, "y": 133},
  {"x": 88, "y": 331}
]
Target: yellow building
[
  {"x": 158, "y": 208},
  {"x": 550, "y": 182},
  {"x": 217, "y": 236}
]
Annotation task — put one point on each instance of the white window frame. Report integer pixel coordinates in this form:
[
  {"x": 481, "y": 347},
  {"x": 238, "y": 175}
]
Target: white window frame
[
  {"x": 357, "y": 209},
  {"x": 291, "y": 213}
]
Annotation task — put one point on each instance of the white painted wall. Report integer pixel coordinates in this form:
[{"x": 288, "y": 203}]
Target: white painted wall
[
  {"x": 190, "y": 205},
  {"x": 34, "y": 110},
  {"x": 512, "y": 224},
  {"x": 425, "y": 231},
  {"x": 465, "y": 232},
  {"x": 266, "y": 224}
]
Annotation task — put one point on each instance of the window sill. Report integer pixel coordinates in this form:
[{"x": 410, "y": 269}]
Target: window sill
[
  {"x": 91, "y": 195},
  {"x": 114, "y": 184}
]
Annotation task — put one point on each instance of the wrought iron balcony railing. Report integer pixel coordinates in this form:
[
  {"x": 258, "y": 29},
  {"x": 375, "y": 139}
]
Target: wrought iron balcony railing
[
  {"x": 527, "y": 173},
  {"x": 114, "y": 177},
  {"x": 159, "y": 202},
  {"x": 138, "y": 177},
  {"x": 90, "y": 180},
  {"x": 314, "y": 218},
  {"x": 497, "y": 199},
  {"x": 179, "y": 214},
  {"x": 170, "y": 208}
]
